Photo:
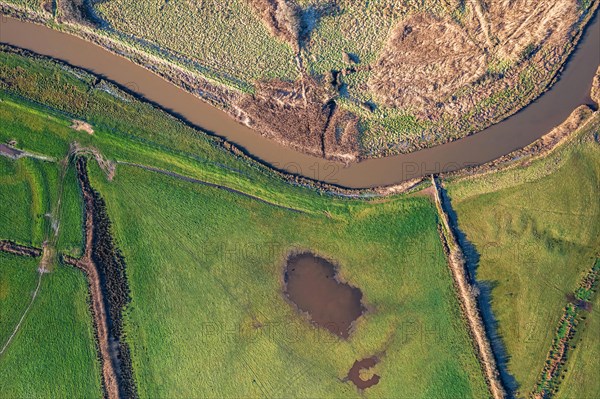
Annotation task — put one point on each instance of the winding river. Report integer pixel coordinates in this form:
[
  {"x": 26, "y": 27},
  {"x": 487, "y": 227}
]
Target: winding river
[{"x": 552, "y": 108}]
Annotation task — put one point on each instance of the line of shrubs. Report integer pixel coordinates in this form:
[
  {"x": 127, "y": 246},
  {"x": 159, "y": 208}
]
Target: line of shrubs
[{"x": 113, "y": 281}]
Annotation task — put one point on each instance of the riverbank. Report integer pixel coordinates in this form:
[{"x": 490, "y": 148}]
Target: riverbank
[
  {"x": 325, "y": 122},
  {"x": 515, "y": 132},
  {"x": 534, "y": 230}
]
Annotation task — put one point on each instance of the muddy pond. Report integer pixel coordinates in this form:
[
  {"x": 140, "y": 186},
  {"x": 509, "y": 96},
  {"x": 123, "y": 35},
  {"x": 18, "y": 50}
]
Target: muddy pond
[
  {"x": 354, "y": 374},
  {"x": 311, "y": 284}
]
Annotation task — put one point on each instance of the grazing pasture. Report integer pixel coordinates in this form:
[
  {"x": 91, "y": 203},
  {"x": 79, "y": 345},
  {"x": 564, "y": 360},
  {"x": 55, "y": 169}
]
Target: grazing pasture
[
  {"x": 537, "y": 232},
  {"x": 206, "y": 271}
]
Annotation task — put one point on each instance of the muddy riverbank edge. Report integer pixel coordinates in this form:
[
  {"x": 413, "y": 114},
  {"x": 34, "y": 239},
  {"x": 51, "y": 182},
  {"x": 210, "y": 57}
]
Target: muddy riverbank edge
[
  {"x": 581, "y": 116},
  {"x": 225, "y": 97},
  {"x": 229, "y": 147},
  {"x": 323, "y": 187}
]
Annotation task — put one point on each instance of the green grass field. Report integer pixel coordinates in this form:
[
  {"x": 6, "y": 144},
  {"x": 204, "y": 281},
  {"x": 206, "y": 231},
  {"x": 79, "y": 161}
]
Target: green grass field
[
  {"x": 26, "y": 195},
  {"x": 208, "y": 317},
  {"x": 53, "y": 353},
  {"x": 537, "y": 230},
  {"x": 581, "y": 380}
]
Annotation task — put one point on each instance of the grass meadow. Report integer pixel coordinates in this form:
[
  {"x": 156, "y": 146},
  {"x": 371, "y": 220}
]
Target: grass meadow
[
  {"x": 208, "y": 317},
  {"x": 537, "y": 230},
  {"x": 27, "y": 188},
  {"x": 53, "y": 354},
  {"x": 581, "y": 380},
  {"x": 226, "y": 40}
]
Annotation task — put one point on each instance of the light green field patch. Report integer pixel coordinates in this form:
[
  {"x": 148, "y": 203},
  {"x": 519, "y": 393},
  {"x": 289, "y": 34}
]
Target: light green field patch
[
  {"x": 537, "y": 230},
  {"x": 53, "y": 353},
  {"x": 27, "y": 189},
  {"x": 581, "y": 379},
  {"x": 205, "y": 269}
]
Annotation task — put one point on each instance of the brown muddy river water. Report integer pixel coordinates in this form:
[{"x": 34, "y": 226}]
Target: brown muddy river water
[
  {"x": 311, "y": 284},
  {"x": 517, "y": 131}
]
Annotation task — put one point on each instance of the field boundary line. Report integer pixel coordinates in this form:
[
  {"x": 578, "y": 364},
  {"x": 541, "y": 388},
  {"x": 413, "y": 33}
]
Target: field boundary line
[
  {"x": 205, "y": 183},
  {"x": 468, "y": 303}
]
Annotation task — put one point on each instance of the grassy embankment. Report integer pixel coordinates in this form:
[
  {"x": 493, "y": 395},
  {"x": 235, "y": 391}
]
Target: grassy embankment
[
  {"x": 581, "y": 379},
  {"x": 537, "y": 232},
  {"x": 207, "y": 292},
  {"x": 53, "y": 352}
]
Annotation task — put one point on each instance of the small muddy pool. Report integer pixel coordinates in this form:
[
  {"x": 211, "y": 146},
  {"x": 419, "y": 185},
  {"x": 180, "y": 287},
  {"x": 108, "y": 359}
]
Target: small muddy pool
[
  {"x": 354, "y": 374},
  {"x": 311, "y": 284},
  {"x": 10, "y": 152}
]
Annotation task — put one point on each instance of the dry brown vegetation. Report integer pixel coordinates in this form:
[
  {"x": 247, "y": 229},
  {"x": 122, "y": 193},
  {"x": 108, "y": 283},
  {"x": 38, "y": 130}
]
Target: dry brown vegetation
[
  {"x": 433, "y": 71},
  {"x": 283, "y": 18},
  {"x": 75, "y": 11},
  {"x": 21, "y": 250},
  {"x": 428, "y": 58},
  {"x": 104, "y": 267},
  {"x": 467, "y": 298},
  {"x": 595, "y": 93},
  {"x": 82, "y": 126},
  {"x": 304, "y": 115},
  {"x": 425, "y": 60}
]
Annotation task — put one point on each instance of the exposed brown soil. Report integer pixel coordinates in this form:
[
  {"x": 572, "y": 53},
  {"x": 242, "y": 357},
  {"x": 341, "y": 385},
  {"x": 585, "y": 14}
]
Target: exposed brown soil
[
  {"x": 21, "y": 250},
  {"x": 11, "y": 152},
  {"x": 109, "y": 375},
  {"x": 107, "y": 166},
  {"x": 82, "y": 126},
  {"x": 74, "y": 11},
  {"x": 283, "y": 18},
  {"x": 595, "y": 92},
  {"x": 311, "y": 284},
  {"x": 361, "y": 365},
  {"x": 104, "y": 268},
  {"x": 468, "y": 301},
  {"x": 581, "y": 304}
]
